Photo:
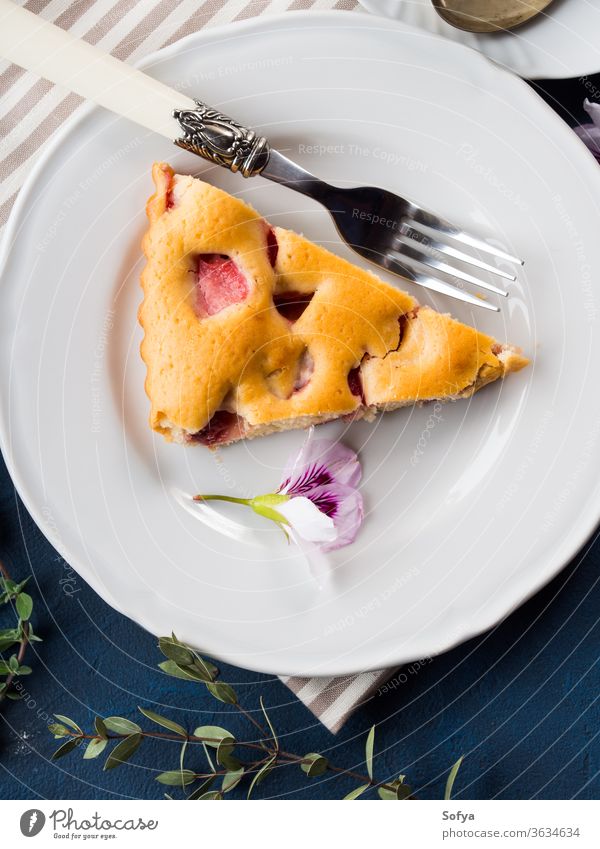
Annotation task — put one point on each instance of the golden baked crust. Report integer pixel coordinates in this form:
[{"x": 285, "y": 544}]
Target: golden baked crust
[{"x": 251, "y": 360}]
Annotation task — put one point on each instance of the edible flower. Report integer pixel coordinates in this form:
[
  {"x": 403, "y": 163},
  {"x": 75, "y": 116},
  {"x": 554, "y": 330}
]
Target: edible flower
[
  {"x": 317, "y": 499},
  {"x": 590, "y": 133}
]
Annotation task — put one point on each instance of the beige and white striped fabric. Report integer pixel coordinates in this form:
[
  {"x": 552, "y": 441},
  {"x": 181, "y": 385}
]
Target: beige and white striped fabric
[
  {"x": 333, "y": 700},
  {"x": 31, "y": 110}
]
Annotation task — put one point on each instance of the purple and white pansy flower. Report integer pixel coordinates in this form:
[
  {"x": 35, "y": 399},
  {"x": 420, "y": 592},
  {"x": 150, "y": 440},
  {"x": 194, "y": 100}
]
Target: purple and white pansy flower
[
  {"x": 590, "y": 133},
  {"x": 325, "y": 505},
  {"x": 317, "y": 500}
]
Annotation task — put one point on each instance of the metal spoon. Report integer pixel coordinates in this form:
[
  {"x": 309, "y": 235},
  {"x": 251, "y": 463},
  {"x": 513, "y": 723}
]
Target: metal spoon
[{"x": 488, "y": 15}]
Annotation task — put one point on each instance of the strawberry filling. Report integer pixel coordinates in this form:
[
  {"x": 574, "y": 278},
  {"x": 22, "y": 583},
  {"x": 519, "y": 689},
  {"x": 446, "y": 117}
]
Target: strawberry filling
[
  {"x": 306, "y": 367},
  {"x": 355, "y": 383},
  {"x": 169, "y": 202},
  {"x": 272, "y": 246},
  {"x": 219, "y": 284},
  {"x": 223, "y": 427},
  {"x": 291, "y": 305}
]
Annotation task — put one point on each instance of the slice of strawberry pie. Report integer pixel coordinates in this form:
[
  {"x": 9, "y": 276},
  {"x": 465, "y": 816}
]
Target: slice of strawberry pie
[{"x": 251, "y": 329}]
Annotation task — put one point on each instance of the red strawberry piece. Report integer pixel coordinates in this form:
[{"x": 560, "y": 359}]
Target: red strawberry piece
[
  {"x": 355, "y": 383},
  {"x": 291, "y": 305},
  {"x": 169, "y": 201},
  {"x": 219, "y": 284},
  {"x": 223, "y": 427},
  {"x": 272, "y": 246}
]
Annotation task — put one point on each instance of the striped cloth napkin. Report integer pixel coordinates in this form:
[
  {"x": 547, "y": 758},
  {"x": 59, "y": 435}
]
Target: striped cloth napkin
[
  {"x": 31, "y": 110},
  {"x": 334, "y": 700}
]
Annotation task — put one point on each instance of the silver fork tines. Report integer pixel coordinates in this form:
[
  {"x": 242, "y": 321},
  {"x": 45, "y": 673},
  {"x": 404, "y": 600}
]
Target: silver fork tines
[
  {"x": 440, "y": 225},
  {"x": 409, "y": 251},
  {"x": 396, "y": 265},
  {"x": 410, "y": 229}
]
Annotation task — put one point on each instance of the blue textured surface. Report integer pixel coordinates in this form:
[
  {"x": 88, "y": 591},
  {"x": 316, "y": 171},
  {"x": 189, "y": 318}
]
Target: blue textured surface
[{"x": 521, "y": 702}]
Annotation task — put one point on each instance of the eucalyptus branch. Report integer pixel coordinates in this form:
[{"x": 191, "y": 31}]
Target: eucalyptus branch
[
  {"x": 17, "y": 639},
  {"x": 251, "y": 719},
  {"x": 185, "y": 663},
  {"x": 288, "y": 757}
]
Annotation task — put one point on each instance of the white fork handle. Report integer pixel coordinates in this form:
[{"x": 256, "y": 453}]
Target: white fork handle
[{"x": 39, "y": 46}]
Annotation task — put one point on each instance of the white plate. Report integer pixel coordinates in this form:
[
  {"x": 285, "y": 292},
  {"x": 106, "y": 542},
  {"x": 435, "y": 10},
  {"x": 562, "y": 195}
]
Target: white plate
[
  {"x": 562, "y": 42},
  {"x": 467, "y": 516}
]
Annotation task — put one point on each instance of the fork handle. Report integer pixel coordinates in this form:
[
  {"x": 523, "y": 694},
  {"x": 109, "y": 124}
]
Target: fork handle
[
  {"x": 39, "y": 46},
  {"x": 57, "y": 55}
]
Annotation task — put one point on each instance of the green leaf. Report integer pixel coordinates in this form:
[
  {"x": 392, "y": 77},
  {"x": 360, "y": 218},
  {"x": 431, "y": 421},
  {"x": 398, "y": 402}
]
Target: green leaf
[
  {"x": 223, "y": 692},
  {"x": 24, "y": 670},
  {"x": 395, "y": 790},
  {"x": 269, "y": 723},
  {"x": 4, "y": 668},
  {"x": 224, "y": 756},
  {"x": 215, "y": 734},
  {"x": 317, "y": 764},
  {"x": 182, "y": 755},
  {"x": 175, "y": 651},
  {"x": 162, "y": 720},
  {"x": 208, "y": 757},
  {"x": 33, "y": 638},
  {"x": 229, "y": 761},
  {"x": 2, "y": 687},
  {"x": 369, "y": 751},
  {"x": 232, "y": 779},
  {"x": 202, "y": 788},
  {"x": 69, "y": 722},
  {"x": 101, "y": 728},
  {"x": 94, "y": 748},
  {"x": 205, "y": 667},
  {"x": 262, "y": 773},
  {"x": 358, "y": 791},
  {"x": 123, "y": 751},
  {"x": 14, "y": 695},
  {"x": 8, "y": 637},
  {"x": 13, "y": 663},
  {"x": 9, "y": 586},
  {"x": 451, "y": 778},
  {"x": 58, "y": 730},
  {"x": 119, "y": 725},
  {"x": 212, "y": 795},
  {"x": 65, "y": 748},
  {"x": 187, "y": 673},
  {"x": 176, "y": 777},
  {"x": 24, "y": 605}
]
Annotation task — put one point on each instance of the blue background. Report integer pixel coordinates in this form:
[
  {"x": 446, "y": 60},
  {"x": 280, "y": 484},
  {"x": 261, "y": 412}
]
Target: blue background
[{"x": 520, "y": 702}]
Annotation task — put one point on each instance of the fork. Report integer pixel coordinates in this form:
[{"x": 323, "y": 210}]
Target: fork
[
  {"x": 394, "y": 233},
  {"x": 386, "y": 229}
]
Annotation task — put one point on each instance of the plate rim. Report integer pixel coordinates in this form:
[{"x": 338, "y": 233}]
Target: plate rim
[{"x": 18, "y": 219}]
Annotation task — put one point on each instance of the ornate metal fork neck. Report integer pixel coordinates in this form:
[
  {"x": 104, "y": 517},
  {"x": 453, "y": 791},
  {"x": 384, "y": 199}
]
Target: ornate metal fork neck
[{"x": 221, "y": 140}]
